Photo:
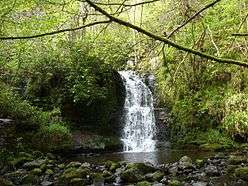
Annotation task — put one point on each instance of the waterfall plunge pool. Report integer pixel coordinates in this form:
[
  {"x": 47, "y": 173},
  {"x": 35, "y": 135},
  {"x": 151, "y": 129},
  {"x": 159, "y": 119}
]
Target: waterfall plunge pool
[{"x": 160, "y": 156}]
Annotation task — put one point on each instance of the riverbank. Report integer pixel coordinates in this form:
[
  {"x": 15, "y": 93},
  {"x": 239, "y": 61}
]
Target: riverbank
[{"x": 222, "y": 168}]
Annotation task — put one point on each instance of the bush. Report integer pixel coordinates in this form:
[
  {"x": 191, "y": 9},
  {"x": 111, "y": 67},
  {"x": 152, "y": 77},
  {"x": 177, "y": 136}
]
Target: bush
[
  {"x": 32, "y": 122},
  {"x": 55, "y": 136},
  {"x": 236, "y": 124}
]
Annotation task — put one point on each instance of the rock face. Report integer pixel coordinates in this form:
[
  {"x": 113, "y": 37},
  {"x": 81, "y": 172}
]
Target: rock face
[{"x": 103, "y": 115}]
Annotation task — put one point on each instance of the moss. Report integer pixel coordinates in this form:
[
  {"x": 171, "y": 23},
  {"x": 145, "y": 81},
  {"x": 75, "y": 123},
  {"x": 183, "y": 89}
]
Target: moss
[
  {"x": 175, "y": 183},
  {"x": 157, "y": 176},
  {"x": 199, "y": 162},
  {"x": 49, "y": 172},
  {"x": 131, "y": 175},
  {"x": 144, "y": 183},
  {"x": 242, "y": 172},
  {"x": 142, "y": 167},
  {"x": 5, "y": 182},
  {"x": 236, "y": 160}
]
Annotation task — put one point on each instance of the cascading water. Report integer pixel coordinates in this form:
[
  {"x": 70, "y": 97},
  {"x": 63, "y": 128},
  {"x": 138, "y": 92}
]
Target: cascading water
[{"x": 139, "y": 120}]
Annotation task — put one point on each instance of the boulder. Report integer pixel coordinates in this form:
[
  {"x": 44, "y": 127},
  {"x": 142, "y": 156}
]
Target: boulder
[
  {"x": 185, "y": 162},
  {"x": 242, "y": 173},
  {"x": 131, "y": 175},
  {"x": 144, "y": 168},
  {"x": 35, "y": 163},
  {"x": 212, "y": 170}
]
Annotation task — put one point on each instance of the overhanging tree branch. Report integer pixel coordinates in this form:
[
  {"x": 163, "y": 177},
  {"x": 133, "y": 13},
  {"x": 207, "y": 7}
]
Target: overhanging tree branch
[
  {"x": 240, "y": 34},
  {"x": 165, "y": 40},
  {"x": 54, "y": 32},
  {"x": 126, "y": 5}
]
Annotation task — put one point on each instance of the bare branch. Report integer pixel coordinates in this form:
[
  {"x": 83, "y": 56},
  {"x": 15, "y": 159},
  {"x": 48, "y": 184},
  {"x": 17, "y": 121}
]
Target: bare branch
[
  {"x": 126, "y": 5},
  {"x": 165, "y": 40},
  {"x": 192, "y": 17},
  {"x": 240, "y": 34},
  {"x": 54, "y": 32}
]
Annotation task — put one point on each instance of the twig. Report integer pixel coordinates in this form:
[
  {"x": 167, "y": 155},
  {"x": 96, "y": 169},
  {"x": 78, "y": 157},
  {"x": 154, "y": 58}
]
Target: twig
[
  {"x": 240, "y": 34},
  {"x": 192, "y": 17},
  {"x": 54, "y": 32},
  {"x": 165, "y": 40}
]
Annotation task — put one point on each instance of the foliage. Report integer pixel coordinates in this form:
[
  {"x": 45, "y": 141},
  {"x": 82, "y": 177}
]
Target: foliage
[
  {"x": 55, "y": 136},
  {"x": 212, "y": 139}
]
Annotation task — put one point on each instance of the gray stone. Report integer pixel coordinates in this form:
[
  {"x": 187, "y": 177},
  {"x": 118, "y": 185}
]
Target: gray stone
[
  {"x": 212, "y": 170},
  {"x": 35, "y": 163},
  {"x": 46, "y": 183},
  {"x": 200, "y": 184}
]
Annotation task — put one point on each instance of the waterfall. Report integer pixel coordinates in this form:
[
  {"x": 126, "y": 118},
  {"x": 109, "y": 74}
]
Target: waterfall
[{"x": 139, "y": 120}]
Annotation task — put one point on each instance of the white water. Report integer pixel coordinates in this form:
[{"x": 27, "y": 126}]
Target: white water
[{"x": 139, "y": 120}]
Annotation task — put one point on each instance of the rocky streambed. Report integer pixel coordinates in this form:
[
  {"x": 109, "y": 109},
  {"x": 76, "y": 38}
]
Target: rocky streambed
[{"x": 38, "y": 169}]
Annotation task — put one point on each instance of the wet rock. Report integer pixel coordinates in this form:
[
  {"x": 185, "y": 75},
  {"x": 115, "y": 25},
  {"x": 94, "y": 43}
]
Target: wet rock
[
  {"x": 174, "y": 183},
  {"x": 236, "y": 160},
  {"x": 142, "y": 167},
  {"x": 51, "y": 156},
  {"x": 157, "y": 176},
  {"x": 77, "y": 182},
  {"x": 30, "y": 179},
  {"x": 74, "y": 164},
  {"x": 18, "y": 162},
  {"x": 242, "y": 173},
  {"x": 212, "y": 170},
  {"x": 86, "y": 165},
  {"x": 158, "y": 184},
  {"x": 131, "y": 175},
  {"x": 5, "y": 182},
  {"x": 173, "y": 169},
  {"x": 144, "y": 183},
  {"x": 97, "y": 178},
  {"x": 35, "y": 163},
  {"x": 231, "y": 168},
  {"x": 61, "y": 166},
  {"x": 17, "y": 175},
  {"x": 199, "y": 163},
  {"x": 200, "y": 184},
  {"x": 73, "y": 172},
  {"x": 46, "y": 183},
  {"x": 49, "y": 172},
  {"x": 36, "y": 171}
]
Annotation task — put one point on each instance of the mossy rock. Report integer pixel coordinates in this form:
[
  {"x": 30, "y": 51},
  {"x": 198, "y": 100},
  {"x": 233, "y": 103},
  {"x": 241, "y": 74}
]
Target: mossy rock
[
  {"x": 212, "y": 146},
  {"x": 114, "y": 166},
  {"x": 19, "y": 161},
  {"x": 237, "y": 160},
  {"x": 242, "y": 173},
  {"x": 97, "y": 178},
  {"x": 157, "y": 176},
  {"x": 144, "y": 183},
  {"x": 78, "y": 182},
  {"x": 30, "y": 179},
  {"x": 35, "y": 164},
  {"x": 73, "y": 172},
  {"x": 199, "y": 163},
  {"x": 61, "y": 166},
  {"x": 5, "y": 182},
  {"x": 74, "y": 164},
  {"x": 49, "y": 172},
  {"x": 175, "y": 183},
  {"x": 36, "y": 171},
  {"x": 142, "y": 167},
  {"x": 131, "y": 175}
]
